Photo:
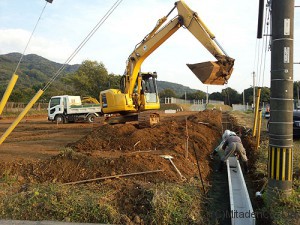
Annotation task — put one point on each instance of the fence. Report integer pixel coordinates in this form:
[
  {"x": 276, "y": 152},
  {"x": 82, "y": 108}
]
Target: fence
[
  {"x": 192, "y": 102},
  {"x": 239, "y": 107},
  {"x": 19, "y": 106}
]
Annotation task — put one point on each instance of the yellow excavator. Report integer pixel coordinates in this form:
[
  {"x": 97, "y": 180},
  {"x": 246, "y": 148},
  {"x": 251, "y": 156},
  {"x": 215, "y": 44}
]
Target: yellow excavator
[{"x": 137, "y": 97}]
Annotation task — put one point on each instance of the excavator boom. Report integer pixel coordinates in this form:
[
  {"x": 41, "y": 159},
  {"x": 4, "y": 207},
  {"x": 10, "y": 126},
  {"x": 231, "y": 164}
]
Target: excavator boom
[
  {"x": 218, "y": 72},
  {"x": 215, "y": 73},
  {"x": 138, "y": 91}
]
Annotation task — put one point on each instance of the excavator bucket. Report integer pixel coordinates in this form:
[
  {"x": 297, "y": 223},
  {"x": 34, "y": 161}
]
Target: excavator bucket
[{"x": 211, "y": 72}]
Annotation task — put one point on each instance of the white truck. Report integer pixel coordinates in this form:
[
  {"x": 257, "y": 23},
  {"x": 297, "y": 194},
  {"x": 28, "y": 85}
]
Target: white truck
[{"x": 67, "y": 108}]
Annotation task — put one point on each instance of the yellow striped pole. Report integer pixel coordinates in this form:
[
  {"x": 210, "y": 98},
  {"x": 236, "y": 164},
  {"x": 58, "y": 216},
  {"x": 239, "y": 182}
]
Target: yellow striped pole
[
  {"x": 258, "y": 129},
  {"x": 256, "y": 112},
  {"x": 280, "y": 163},
  {"x": 8, "y": 91},
  {"x": 21, "y": 116}
]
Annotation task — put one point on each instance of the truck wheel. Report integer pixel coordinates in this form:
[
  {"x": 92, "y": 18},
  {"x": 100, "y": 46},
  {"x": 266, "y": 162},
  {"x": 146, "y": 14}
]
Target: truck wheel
[
  {"x": 59, "y": 119},
  {"x": 91, "y": 118}
]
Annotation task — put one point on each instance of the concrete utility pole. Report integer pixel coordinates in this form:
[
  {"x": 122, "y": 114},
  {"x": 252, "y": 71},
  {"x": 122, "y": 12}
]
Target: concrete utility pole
[
  {"x": 206, "y": 94},
  {"x": 254, "y": 90},
  {"x": 280, "y": 163}
]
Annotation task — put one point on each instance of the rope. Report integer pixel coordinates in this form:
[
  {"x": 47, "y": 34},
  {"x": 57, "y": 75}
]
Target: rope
[
  {"x": 30, "y": 37},
  {"x": 86, "y": 39}
]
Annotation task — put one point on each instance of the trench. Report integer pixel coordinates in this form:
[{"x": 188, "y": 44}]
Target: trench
[{"x": 218, "y": 194}]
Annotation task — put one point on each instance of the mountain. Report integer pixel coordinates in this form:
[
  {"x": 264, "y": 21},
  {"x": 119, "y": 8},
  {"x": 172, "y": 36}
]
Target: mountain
[
  {"x": 33, "y": 68},
  {"x": 35, "y": 71},
  {"x": 179, "y": 89}
]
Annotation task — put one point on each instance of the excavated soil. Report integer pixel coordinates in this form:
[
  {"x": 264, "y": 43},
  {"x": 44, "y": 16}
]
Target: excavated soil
[
  {"x": 124, "y": 148},
  {"x": 111, "y": 150}
]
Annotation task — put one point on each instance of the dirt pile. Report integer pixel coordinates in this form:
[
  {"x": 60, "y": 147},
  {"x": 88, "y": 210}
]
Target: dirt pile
[{"x": 121, "y": 149}]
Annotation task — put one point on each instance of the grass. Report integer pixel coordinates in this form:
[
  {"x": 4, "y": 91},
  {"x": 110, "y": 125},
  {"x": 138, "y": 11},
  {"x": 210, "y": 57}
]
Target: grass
[
  {"x": 55, "y": 202},
  {"x": 176, "y": 204},
  {"x": 167, "y": 203}
]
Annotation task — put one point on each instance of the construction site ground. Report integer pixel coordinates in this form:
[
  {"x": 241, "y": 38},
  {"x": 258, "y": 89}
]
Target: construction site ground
[{"x": 40, "y": 157}]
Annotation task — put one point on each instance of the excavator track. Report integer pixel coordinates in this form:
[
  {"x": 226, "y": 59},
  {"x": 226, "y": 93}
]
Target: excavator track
[{"x": 148, "y": 119}]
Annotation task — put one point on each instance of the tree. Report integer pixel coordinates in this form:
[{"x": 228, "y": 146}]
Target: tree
[
  {"x": 198, "y": 95},
  {"x": 265, "y": 94},
  {"x": 216, "y": 96},
  {"x": 114, "y": 81},
  {"x": 296, "y": 89},
  {"x": 231, "y": 96},
  {"x": 167, "y": 93},
  {"x": 91, "y": 78}
]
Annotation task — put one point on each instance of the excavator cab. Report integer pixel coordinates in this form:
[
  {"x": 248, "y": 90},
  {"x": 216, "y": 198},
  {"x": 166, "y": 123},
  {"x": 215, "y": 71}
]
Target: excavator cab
[
  {"x": 149, "y": 86},
  {"x": 149, "y": 91}
]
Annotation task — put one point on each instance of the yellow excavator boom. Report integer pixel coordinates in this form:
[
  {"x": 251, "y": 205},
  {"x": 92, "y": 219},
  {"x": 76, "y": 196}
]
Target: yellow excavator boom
[
  {"x": 136, "y": 93},
  {"x": 216, "y": 73}
]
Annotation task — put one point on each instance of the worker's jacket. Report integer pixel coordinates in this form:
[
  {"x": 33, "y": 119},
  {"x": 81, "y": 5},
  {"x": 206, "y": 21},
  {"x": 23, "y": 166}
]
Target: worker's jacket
[
  {"x": 231, "y": 139},
  {"x": 233, "y": 145}
]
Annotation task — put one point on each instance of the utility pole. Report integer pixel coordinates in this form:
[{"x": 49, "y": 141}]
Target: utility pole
[
  {"x": 206, "y": 94},
  {"x": 298, "y": 103},
  {"x": 254, "y": 90},
  {"x": 244, "y": 100},
  {"x": 280, "y": 163}
]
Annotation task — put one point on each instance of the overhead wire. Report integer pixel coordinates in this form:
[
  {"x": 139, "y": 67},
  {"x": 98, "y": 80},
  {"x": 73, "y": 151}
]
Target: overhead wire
[
  {"x": 40, "y": 92},
  {"x": 20, "y": 60},
  {"x": 14, "y": 77},
  {"x": 266, "y": 45},
  {"x": 86, "y": 39},
  {"x": 263, "y": 52}
]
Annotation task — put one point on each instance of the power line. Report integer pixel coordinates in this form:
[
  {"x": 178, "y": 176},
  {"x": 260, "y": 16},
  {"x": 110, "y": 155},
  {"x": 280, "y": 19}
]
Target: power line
[
  {"x": 264, "y": 50},
  {"x": 30, "y": 38},
  {"x": 86, "y": 39},
  {"x": 266, "y": 38}
]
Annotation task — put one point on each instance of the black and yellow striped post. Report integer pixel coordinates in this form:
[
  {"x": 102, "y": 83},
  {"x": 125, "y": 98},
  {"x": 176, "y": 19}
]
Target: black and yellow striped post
[
  {"x": 280, "y": 164},
  {"x": 280, "y": 161}
]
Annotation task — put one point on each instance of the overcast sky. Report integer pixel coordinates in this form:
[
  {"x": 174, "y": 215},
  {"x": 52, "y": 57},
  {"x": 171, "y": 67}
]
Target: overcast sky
[{"x": 65, "y": 23}]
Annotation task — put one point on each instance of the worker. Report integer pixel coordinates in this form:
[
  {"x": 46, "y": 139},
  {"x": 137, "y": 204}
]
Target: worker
[
  {"x": 233, "y": 146},
  {"x": 218, "y": 150}
]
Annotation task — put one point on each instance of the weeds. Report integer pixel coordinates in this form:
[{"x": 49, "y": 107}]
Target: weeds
[
  {"x": 62, "y": 203},
  {"x": 8, "y": 178},
  {"x": 68, "y": 153},
  {"x": 175, "y": 204}
]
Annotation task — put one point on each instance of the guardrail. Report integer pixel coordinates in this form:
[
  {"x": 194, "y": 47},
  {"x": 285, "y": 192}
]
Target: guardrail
[{"x": 240, "y": 205}]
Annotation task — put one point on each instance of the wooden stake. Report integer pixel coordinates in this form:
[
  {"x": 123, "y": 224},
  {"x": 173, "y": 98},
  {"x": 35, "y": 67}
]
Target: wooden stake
[
  {"x": 114, "y": 176},
  {"x": 187, "y": 139}
]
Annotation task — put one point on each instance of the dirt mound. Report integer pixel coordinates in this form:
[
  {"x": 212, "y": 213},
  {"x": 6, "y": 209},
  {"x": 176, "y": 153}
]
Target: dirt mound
[
  {"x": 168, "y": 135},
  {"x": 122, "y": 149}
]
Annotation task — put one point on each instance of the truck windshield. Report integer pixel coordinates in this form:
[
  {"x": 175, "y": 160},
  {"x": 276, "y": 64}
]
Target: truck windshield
[{"x": 54, "y": 102}]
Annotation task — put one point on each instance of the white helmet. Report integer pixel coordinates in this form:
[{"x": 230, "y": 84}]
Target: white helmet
[
  {"x": 232, "y": 133},
  {"x": 226, "y": 134}
]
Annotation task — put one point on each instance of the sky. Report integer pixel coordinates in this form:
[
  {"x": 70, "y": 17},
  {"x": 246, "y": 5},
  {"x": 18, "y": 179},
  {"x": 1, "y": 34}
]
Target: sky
[{"x": 65, "y": 24}]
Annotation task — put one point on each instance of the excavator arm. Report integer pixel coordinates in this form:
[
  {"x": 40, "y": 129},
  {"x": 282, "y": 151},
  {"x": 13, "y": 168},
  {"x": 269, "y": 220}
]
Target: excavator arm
[
  {"x": 216, "y": 73},
  {"x": 138, "y": 94}
]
